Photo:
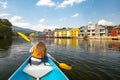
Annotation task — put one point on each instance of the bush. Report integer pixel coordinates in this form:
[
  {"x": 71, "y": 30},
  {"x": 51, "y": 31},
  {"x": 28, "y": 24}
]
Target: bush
[{"x": 86, "y": 37}]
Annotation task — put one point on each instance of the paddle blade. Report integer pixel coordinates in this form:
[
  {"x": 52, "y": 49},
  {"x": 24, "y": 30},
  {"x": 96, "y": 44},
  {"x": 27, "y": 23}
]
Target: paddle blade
[
  {"x": 65, "y": 66},
  {"x": 23, "y": 36}
]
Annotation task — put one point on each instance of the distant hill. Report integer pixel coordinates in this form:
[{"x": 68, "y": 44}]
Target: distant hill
[{"x": 24, "y": 30}]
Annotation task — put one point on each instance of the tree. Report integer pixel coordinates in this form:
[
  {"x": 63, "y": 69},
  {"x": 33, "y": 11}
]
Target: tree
[
  {"x": 86, "y": 37},
  {"x": 5, "y": 29},
  {"x": 109, "y": 28},
  {"x": 119, "y": 29}
]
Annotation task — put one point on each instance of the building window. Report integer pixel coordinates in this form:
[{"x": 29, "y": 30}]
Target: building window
[
  {"x": 82, "y": 31},
  {"x": 88, "y": 30},
  {"x": 102, "y": 34},
  {"x": 93, "y": 34},
  {"x": 93, "y": 30},
  {"x": 82, "y": 34},
  {"x": 101, "y": 30}
]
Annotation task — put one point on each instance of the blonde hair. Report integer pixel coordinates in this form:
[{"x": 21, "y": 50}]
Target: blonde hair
[{"x": 41, "y": 48}]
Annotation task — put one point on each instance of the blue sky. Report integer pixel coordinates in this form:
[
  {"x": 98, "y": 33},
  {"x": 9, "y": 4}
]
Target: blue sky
[{"x": 50, "y": 14}]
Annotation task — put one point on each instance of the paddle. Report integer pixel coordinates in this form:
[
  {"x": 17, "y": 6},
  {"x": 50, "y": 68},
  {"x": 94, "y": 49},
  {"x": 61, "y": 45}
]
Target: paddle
[
  {"x": 23, "y": 36},
  {"x": 61, "y": 65}
]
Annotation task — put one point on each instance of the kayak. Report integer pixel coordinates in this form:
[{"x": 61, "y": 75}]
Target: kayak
[{"x": 50, "y": 71}]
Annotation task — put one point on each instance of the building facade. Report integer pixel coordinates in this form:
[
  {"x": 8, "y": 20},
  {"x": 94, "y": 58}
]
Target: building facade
[
  {"x": 93, "y": 30},
  {"x": 114, "y": 32},
  {"x": 67, "y": 33}
]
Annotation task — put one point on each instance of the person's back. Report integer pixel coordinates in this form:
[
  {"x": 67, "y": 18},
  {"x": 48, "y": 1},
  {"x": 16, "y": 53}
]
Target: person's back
[{"x": 38, "y": 54}]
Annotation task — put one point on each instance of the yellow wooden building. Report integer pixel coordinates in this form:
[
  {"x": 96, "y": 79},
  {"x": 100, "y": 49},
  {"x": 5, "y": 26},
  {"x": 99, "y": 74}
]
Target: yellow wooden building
[{"x": 67, "y": 33}]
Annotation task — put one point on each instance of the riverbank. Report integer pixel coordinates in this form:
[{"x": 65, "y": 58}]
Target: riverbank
[{"x": 103, "y": 37}]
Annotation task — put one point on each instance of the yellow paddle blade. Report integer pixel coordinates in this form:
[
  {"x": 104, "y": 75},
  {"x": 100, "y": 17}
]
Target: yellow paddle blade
[
  {"x": 65, "y": 66},
  {"x": 24, "y": 36}
]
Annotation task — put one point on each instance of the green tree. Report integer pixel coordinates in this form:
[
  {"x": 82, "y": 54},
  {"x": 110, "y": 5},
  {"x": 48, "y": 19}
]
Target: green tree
[
  {"x": 109, "y": 28},
  {"x": 119, "y": 29},
  {"x": 5, "y": 29},
  {"x": 86, "y": 37}
]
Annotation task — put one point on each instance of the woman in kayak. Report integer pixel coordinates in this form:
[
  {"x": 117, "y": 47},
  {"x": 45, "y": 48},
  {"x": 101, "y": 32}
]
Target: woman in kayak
[{"x": 39, "y": 53}]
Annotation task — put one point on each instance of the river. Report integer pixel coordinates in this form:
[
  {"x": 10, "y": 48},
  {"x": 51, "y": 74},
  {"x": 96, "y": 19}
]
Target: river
[{"x": 91, "y": 60}]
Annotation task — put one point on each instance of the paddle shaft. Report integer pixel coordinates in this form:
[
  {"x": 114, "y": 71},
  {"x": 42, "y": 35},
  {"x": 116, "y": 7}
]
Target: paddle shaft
[{"x": 56, "y": 61}]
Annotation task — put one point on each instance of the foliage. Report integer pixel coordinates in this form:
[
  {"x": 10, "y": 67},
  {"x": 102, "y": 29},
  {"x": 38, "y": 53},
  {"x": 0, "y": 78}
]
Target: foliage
[
  {"x": 5, "y": 29},
  {"x": 119, "y": 29},
  {"x": 86, "y": 37},
  {"x": 109, "y": 28}
]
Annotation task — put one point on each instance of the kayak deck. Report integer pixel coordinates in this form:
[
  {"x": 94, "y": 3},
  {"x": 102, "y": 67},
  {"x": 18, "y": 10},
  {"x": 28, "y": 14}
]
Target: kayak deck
[
  {"x": 55, "y": 74},
  {"x": 37, "y": 71}
]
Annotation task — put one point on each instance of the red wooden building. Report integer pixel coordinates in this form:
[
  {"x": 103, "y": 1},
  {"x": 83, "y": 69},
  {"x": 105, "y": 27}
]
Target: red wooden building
[{"x": 114, "y": 32}]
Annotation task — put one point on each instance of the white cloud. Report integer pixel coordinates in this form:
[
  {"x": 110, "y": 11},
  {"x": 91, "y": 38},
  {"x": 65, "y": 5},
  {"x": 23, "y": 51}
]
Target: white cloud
[
  {"x": 45, "y": 3},
  {"x": 90, "y": 22},
  {"x": 42, "y": 20},
  {"x": 75, "y": 15},
  {"x": 104, "y": 22},
  {"x": 41, "y": 27},
  {"x": 3, "y": 4},
  {"x": 17, "y": 21},
  {"x": 66, "y": 3},
  {"x": 15, "y": 18},
  {"x": 4, "y": 15},
  {"x": 62, "y": 19},
  {"x": 21, "y": 24}
]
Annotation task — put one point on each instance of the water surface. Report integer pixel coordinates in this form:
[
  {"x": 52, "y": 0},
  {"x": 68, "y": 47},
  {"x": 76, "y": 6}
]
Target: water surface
[{"x": 91, "y": 60}]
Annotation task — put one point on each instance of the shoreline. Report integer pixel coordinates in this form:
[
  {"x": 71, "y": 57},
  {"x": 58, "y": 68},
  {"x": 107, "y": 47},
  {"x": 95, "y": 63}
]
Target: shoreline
[
  {"x": 90, "y": 37},
  {"x": 105, "y": 38}
]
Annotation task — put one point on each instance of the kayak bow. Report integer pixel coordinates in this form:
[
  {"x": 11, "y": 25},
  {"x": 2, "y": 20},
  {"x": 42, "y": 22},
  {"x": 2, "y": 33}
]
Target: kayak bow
[{"x": 54, "y": 74}]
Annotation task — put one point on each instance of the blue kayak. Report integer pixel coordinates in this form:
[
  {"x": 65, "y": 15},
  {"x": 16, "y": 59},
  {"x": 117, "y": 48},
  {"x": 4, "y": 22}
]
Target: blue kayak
[{"x": 54, "y": 73}]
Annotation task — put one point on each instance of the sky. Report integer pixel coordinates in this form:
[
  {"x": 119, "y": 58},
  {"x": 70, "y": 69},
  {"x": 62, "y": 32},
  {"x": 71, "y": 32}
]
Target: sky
[{"x": 50, "y": 14}]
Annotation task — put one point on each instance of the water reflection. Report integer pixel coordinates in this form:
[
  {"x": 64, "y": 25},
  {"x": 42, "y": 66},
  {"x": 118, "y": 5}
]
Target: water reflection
[
  {"x": 93, "y": 46},
  {"x": 67, "y": 42},
  {"x": 100, "y": 45},
  {"x": 114, "y": 45},
  {"x": 97, "y": 59},
  {"x": 91, "y": 60},
  {"x": 4, "y": 46}
]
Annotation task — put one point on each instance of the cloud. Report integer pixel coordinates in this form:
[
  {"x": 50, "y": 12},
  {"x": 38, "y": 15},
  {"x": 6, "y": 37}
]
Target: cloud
[
  {"x": 15, "y": 18},
  {"x": 45, "y": 3},
  {"x": 90, "y": 22},
  {"x": 4, "y": 15},
  {"x": 75, "y": 15},
  {"x": 21, "y": 24},
  {"x": 42, "y": 20},
  {"x": 41, "y": 27},
  {"x": 3, "y": 4},
  {"x": 66, "y": 3},
  {"x": 62, "y": 19},
  {"x": 17, "y": 21},
  {"x": 104, "y": 22}
]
